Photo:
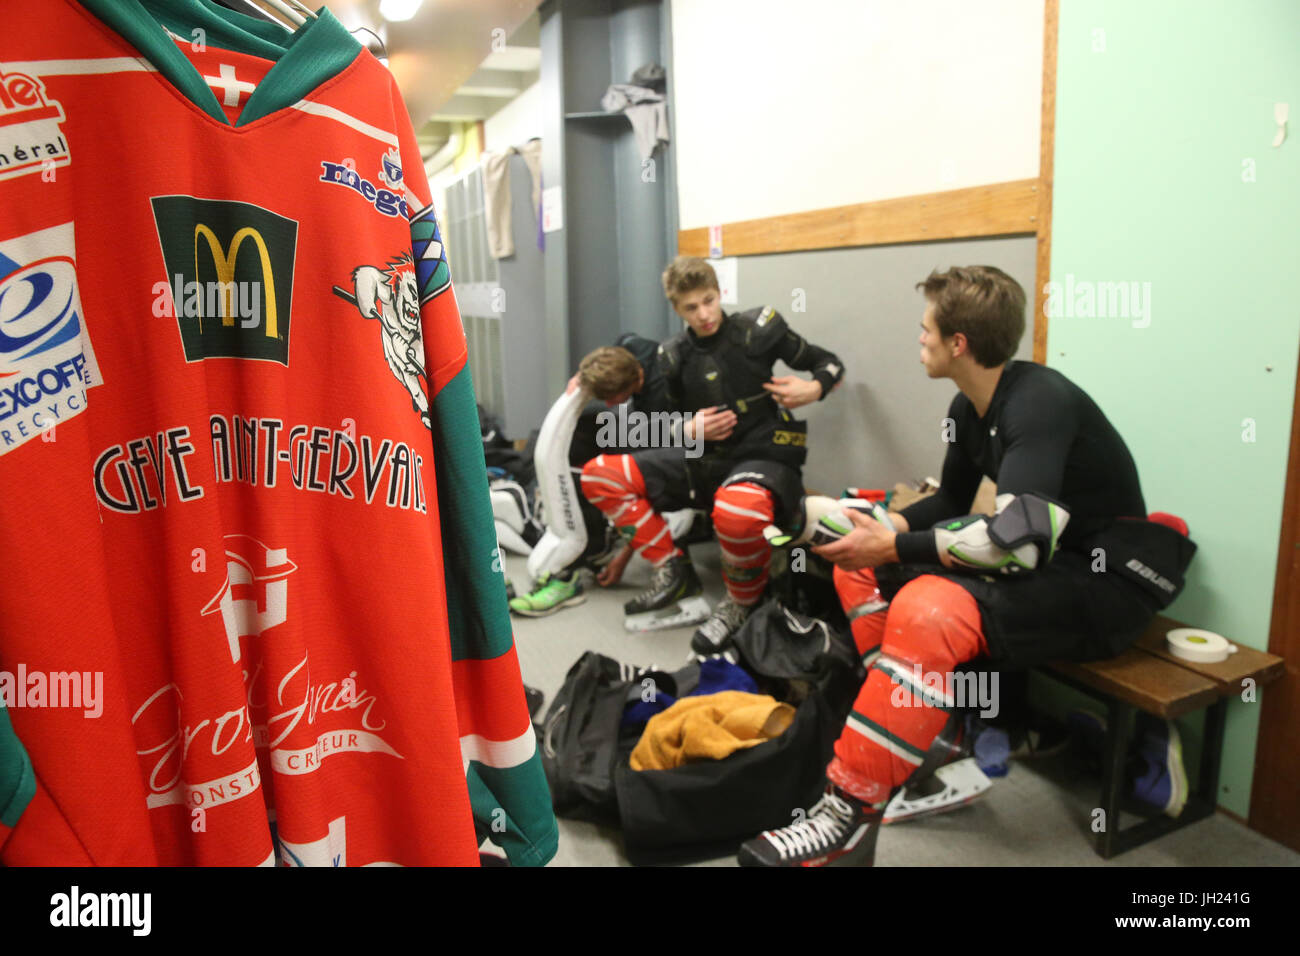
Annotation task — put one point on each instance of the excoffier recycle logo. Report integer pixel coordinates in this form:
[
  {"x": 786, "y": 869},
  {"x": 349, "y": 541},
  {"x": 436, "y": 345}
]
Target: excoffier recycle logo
[{"x": 46, "y": 362}]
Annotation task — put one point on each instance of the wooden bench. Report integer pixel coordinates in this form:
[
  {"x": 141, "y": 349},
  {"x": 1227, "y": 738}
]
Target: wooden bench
[{"x": 1148, "y": 678}]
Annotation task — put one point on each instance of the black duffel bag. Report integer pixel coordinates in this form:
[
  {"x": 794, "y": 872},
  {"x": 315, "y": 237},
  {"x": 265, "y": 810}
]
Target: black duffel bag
[
  {"x": 707, "y": 809},
  {"x": 580, "y": 737}
]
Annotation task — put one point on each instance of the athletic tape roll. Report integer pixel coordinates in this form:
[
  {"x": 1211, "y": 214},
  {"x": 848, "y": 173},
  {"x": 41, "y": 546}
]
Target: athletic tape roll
[{"x": 1203, "y": 647}]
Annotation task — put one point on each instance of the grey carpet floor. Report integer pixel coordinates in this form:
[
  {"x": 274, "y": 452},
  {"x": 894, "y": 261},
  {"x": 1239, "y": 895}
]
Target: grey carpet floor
[{"x": 1037, "y": 815}]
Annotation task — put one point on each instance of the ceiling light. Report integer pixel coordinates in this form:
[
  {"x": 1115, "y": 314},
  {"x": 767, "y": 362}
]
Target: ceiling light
[{"x": 395, "y": 11}]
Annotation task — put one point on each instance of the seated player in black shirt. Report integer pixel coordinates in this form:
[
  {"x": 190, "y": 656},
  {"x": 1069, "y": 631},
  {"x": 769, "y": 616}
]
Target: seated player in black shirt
[{"x": 1068, "y": 567}]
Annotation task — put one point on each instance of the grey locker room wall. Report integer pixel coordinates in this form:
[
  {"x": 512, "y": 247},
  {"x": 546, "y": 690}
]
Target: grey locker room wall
[
  {"x": 502, "y": 301},
  {"x": 884, "y": 423}
]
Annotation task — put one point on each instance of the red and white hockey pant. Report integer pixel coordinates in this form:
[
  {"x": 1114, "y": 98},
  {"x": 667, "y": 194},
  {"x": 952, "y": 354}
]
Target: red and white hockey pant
[
  {"x": 613, "y": 483},
  {"x": 740, "y": 513},
  {"x": 911, "y": 647}
]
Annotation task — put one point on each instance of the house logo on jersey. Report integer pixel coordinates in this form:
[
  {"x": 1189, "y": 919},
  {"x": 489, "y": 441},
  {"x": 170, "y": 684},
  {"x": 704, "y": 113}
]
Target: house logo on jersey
[
  {"x": 391, "y": 295},
  {"x": 31, "y": 134},
  {"x": 229, "y": 276},
  {"x": 255, "y": 595},
  {"x": 431, "y": 270},
  {"x": 46, "y": 362},
  {"x": 388, "y": 201},
  {"x": 390, "y": 170}
]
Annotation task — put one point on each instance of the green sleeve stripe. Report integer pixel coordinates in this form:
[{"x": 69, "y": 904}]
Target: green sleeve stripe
[
  {"x": 498, "y": 797},
  {"x": 476, "y": 592},
  {"x": 17, "y": 778}
]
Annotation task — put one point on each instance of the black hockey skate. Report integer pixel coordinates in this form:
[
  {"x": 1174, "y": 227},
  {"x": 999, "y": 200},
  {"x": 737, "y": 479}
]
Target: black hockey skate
[
  {"x": 674, "y": 598},
  {"x": 838, "y": 831},
  {"x": 714, "y": 635}
]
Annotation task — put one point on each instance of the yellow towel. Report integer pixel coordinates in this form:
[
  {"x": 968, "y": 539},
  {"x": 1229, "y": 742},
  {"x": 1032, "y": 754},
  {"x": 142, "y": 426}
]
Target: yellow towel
[{"x": 709, "y": 728}]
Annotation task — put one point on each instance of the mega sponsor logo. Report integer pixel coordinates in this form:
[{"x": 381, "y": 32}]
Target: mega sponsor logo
[
  {"x": 46, "y": 363},
  {"x": 31, "y": 134},
  {"x": 230, "y": 277},
  {"x": 390, "y": 201}
]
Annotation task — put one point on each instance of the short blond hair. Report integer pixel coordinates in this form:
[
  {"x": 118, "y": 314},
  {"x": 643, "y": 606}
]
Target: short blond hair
[
  {"x": 687, "y": 274},
  {"x": 608, "y": 372}
]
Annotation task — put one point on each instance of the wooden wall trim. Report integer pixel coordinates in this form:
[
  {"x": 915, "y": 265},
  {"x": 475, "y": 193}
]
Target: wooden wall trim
[
  {"x": 1000, "y": 209},
  {"x": 1046, "y": 166},
  {"x": 1022, "y": 207},
  {"x": 1277, "y": 776}
]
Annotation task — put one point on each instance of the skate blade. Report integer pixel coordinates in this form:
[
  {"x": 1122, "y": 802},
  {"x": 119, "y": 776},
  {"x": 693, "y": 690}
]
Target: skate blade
[
  {"x": 692, "y": 610},
  {"x": 963, "y": 782}
]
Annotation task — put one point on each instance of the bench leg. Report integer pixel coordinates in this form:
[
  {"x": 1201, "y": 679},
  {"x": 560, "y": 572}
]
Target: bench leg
[
  {"x": 1200, "y": 802},
  {"x": 1119, "y": 724},
  {"x": 1212, "y": 752}
]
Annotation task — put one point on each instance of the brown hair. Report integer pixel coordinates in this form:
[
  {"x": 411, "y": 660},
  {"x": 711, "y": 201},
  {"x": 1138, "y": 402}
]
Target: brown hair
[
  {"x": 984, "y": 304},
  {"x": 608, "y": 372},
  {"x": 686, "y": 274}
]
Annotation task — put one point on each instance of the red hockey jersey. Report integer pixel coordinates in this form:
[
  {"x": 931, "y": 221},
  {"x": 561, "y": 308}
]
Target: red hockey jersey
[{"x": 250, "y": 603}]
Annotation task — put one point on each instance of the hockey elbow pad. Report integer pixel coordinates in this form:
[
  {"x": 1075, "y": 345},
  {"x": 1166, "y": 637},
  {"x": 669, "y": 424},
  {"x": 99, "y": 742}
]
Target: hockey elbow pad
[
  {"x": 1021, "y": 536},
  {"x": 825, "y": 520}
]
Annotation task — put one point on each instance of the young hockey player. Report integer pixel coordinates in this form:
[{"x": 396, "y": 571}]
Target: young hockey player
[
  {"x": 1018, "y": 588},
  {"x": 719, "y": 371},
  {"x": 579, "y": 538}
]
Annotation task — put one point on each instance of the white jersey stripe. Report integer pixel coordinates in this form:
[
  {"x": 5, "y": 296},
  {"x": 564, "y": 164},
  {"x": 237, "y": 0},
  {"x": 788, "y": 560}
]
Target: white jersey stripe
[
  {"x": 131, "y": 64},
  {"x": 498, "y": 753},
  {"x": 90, "y": 67},
  {"x": 329, "y": 112}
]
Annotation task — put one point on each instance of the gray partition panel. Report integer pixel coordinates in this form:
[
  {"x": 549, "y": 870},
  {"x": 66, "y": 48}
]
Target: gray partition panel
[{"x": 884, "y": 423}]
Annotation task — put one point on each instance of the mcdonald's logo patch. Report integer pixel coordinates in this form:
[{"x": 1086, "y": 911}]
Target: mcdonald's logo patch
[{"x": 229, "y": 275}]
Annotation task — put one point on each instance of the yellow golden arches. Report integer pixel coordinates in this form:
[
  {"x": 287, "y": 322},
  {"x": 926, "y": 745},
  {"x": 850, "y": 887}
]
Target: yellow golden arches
[{"x": 225, "y": 266}]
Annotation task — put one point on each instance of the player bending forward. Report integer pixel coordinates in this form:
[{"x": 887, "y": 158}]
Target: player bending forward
[
  {"x": 720, "y": 369},
  {"x": 572, "y": 434}
]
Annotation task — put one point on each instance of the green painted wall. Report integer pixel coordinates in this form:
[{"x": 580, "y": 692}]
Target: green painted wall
[{"x": 1164, "y": 116}]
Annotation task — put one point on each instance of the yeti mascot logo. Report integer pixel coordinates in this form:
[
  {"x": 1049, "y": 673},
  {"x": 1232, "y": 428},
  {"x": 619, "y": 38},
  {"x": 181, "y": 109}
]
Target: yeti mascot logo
[{"x": 392, "y": 296}]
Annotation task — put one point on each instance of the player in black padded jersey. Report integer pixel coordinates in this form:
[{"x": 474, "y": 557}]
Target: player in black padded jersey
[
  {"x": 1069, "y": 567},
  {"x": 750, "y": 451}
]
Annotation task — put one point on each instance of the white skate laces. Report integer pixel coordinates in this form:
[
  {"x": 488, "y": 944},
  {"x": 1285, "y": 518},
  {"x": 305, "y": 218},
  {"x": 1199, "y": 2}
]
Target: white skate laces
[{"x": 826, "y": 825}]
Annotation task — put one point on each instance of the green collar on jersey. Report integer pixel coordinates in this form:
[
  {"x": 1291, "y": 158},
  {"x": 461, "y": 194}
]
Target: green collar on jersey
[{"x": 305, "y": 59}]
